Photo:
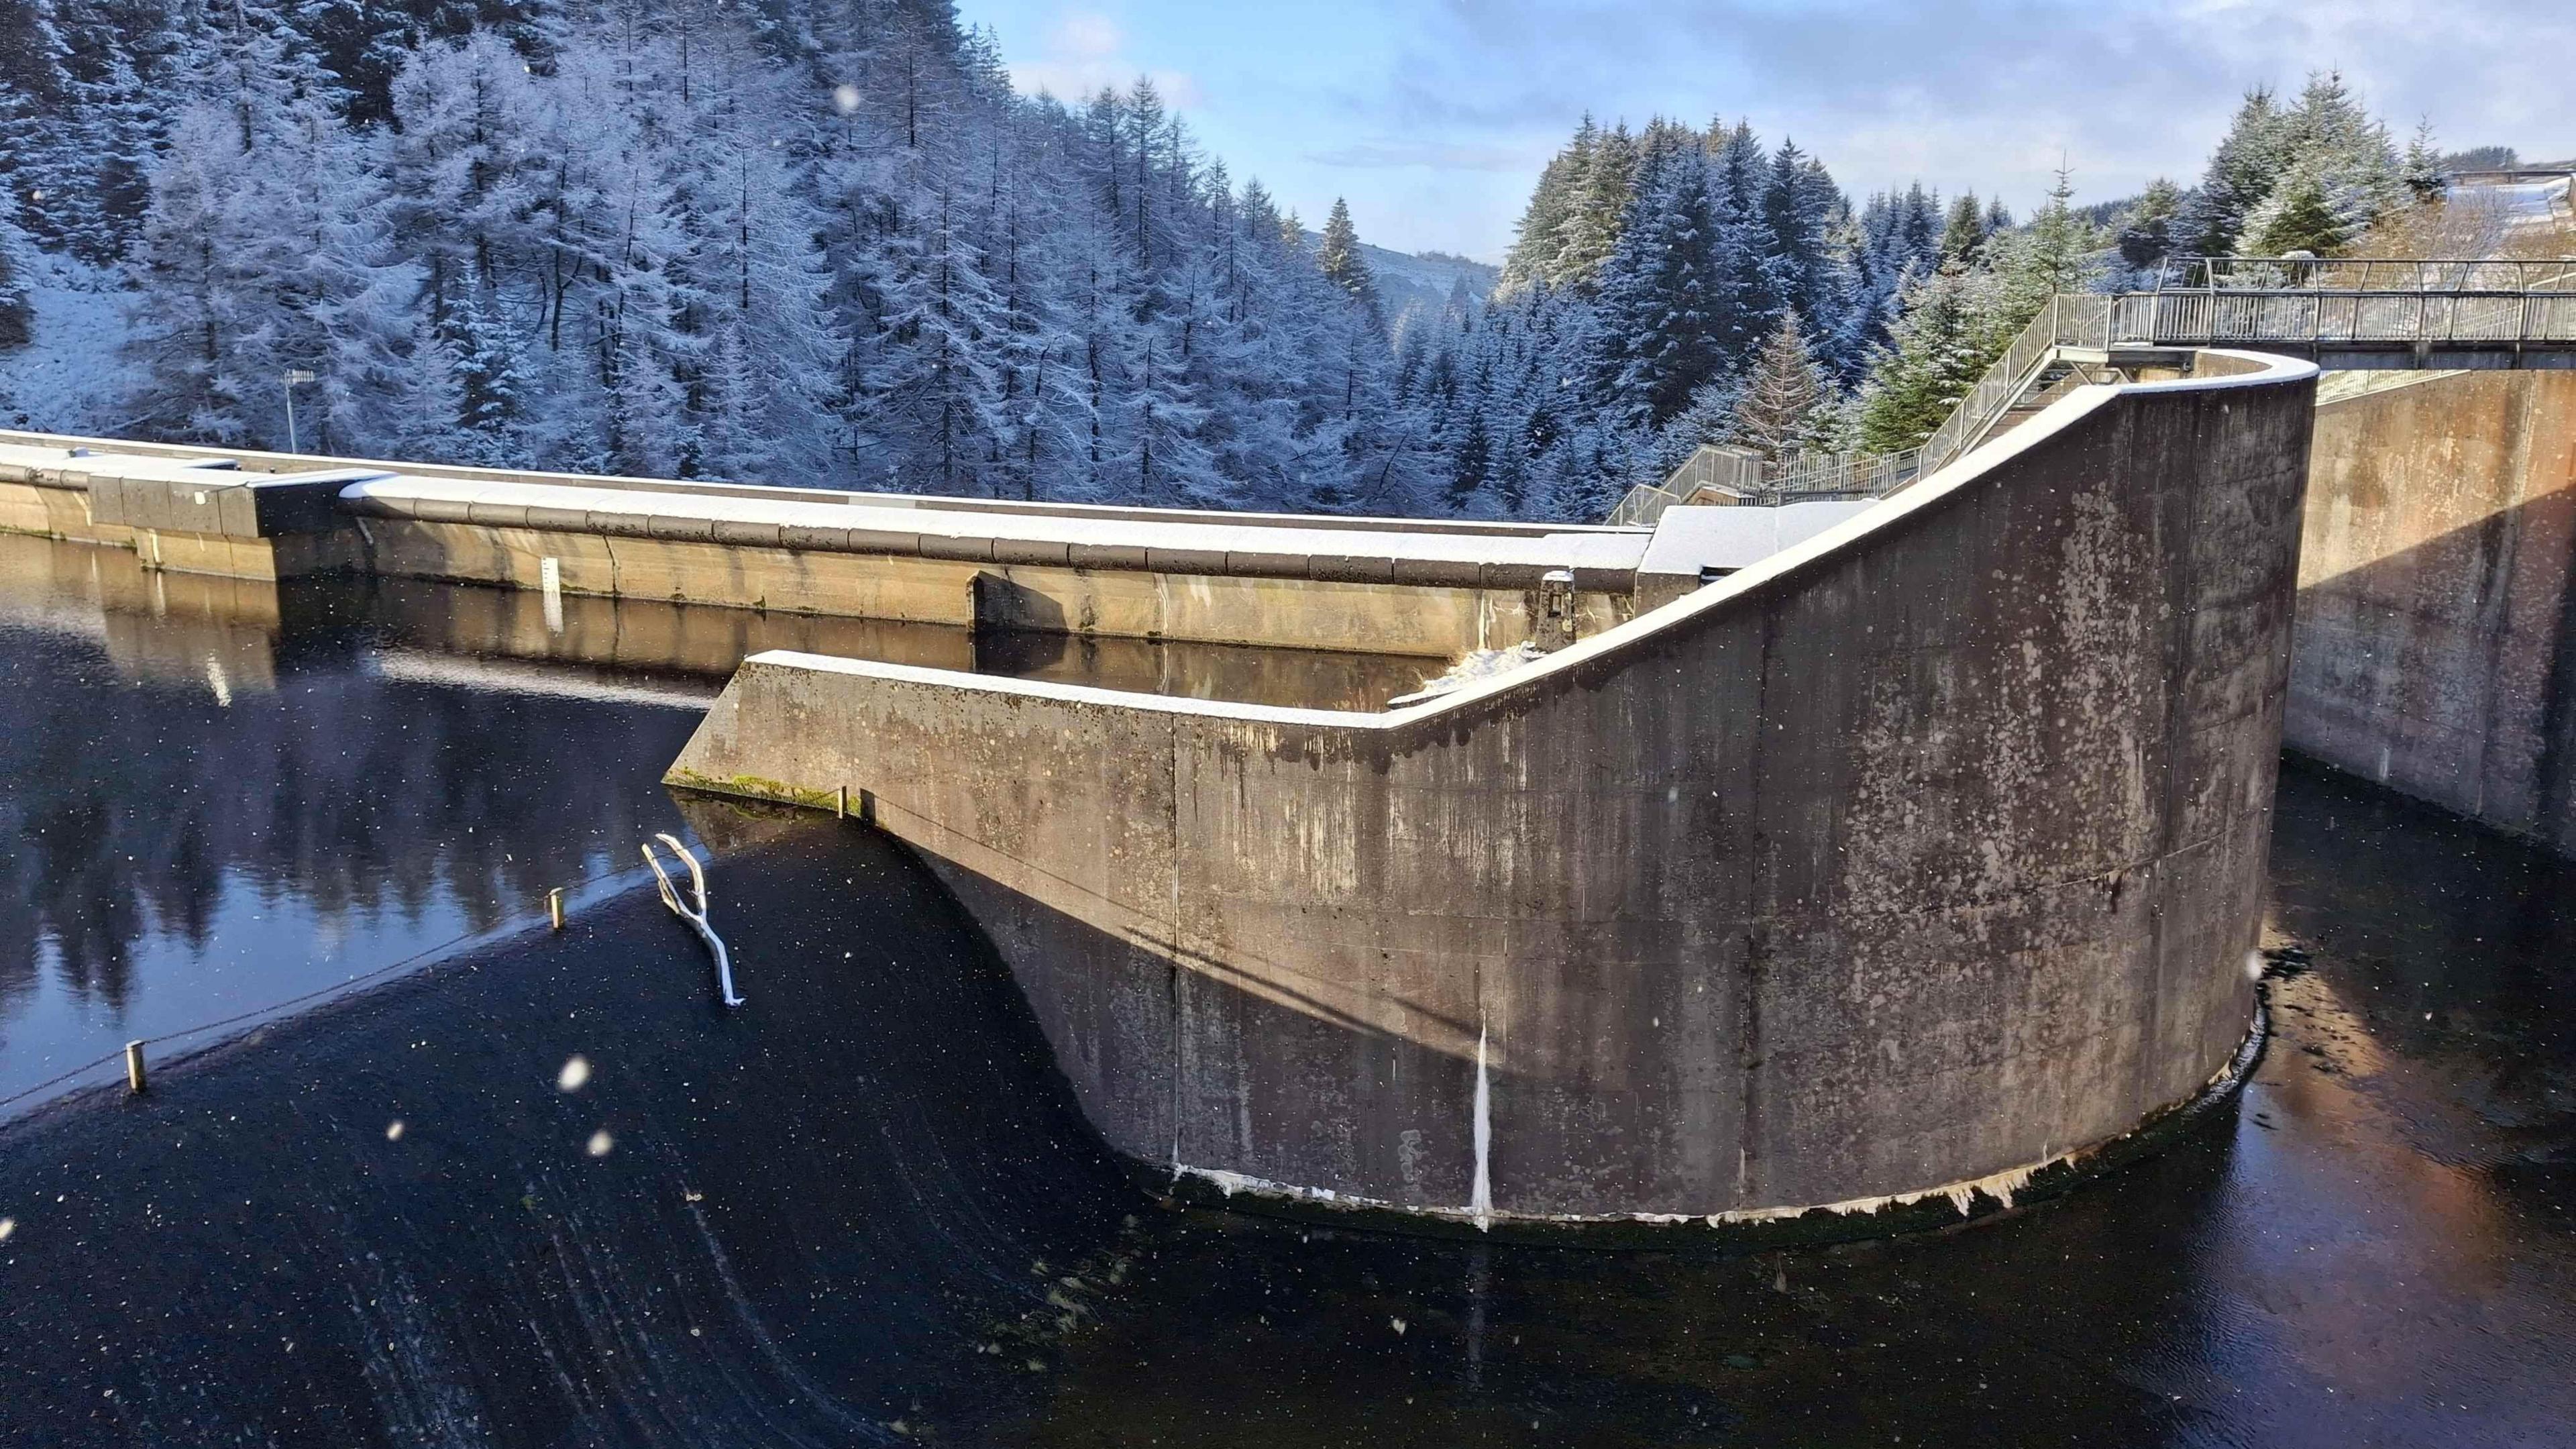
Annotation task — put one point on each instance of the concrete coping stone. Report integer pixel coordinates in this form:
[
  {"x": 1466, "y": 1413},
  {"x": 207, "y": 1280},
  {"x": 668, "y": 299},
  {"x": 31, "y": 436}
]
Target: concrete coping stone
[
  {"x": 1185, "y": 560},
  {"x": 755, "y": 532},
  {"x": 1008, "y": 549},
  {"x": 689, "y": 527},
  {"x": 1351, "y": 568},
  {"x": 1109, "y": 556},
  {"x": 969, "y": 550},
  {"x": 815, "y": 536},
  {"x": 878, "y": 540}
]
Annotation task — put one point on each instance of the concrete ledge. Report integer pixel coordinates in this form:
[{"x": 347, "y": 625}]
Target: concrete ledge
[
  {"x": 1916, "y": 855},
  {"x": 54, "y": 447}
]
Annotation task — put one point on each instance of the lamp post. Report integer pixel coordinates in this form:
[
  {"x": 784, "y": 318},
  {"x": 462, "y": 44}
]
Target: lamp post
[{"x": 293, "y": 376}]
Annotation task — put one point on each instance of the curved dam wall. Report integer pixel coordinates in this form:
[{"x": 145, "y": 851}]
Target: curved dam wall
[
  {"x": 1924, "y": 853},
  {"x": 2437, "y": 597}
]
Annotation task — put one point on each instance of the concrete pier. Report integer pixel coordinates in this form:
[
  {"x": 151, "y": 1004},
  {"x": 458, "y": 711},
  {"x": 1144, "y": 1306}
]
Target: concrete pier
[{"x": 1909, "y": 863}]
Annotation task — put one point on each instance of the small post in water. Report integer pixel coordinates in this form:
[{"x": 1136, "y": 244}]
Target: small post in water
[
  {"x": 134, "y": 1067},
  {"x": 554, "y": 906},
  {"x": 841, "y": 804}
]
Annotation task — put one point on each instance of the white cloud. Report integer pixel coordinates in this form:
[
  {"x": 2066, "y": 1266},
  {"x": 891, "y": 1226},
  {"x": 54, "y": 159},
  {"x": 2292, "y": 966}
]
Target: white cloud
[{"x": 1085, "y": 51}]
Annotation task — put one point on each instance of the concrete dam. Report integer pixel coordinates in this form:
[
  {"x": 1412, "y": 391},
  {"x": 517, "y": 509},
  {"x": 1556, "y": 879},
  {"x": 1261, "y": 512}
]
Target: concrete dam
[{"x": 1834, "y": 866}]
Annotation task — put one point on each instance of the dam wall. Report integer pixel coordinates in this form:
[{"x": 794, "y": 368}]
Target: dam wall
[
  {"x": 2437, "y": 597},
  {"x": 1438, "y": 589},
  {"x": 1913, "y": 860}
]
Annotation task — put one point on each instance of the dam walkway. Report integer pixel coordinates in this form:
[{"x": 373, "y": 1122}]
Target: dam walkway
[{"x": 2345, "y": 315}]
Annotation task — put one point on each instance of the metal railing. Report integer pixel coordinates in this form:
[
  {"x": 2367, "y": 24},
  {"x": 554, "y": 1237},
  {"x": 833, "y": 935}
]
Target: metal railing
[
  {"x": 2360, "y": 301},
  {"x": 2365, "y": 274},
  {"x": 2197, "y": 302},
  {"x": 1803, "y": 476},
  {"x": 2067, "y": 321},
  {"x": 1721, "y": 474}
]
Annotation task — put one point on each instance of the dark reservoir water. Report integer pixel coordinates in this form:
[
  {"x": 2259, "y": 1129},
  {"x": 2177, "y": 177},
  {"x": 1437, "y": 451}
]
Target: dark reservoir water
[
  {"x": 223, "y": 795},
  {"x": 862, "y": 1209}
]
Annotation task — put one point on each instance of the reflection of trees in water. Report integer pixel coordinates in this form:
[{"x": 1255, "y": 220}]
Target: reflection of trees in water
[
  {"x": 130, "y": 804},
  {"x": 173, "y": 733}
]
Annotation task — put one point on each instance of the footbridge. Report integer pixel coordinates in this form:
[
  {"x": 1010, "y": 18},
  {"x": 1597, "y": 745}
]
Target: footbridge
[{"x": 1830, "y": 868}]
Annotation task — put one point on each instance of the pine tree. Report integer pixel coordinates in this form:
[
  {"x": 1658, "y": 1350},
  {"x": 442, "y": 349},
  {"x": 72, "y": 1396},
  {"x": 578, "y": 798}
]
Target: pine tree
[
  {"x": 1469, "y": 461},
  {"x": 2146, "y": 234},
  {"x": 34, "y": 87},
  {"x": 1591, "y": 229},
  {"x": 483, "y": 383},
  {"x": 1799, "y": 204},
  {"x": 1937, "y": 351},
  {"x": 1663, "y": 318},
  {"x": 1746, "y": 294},
  {"x": 2298, "y": 220},
  {"x": 1338, "y": 254},
  {"x": 2242, "y": 171},
  {"x": 2057, "y": 253},
  {"x": 2340, "y": 173},
  {"x": 1782, "y": 400},
  {"x": 1964, "y": 232},
  {"x": 17, "y": 309},
  {"x": 1540, "y": 235},
  {"x": 120, "y": 127},
  {"x": 2423, "y": 166},
  {"x": 936, "y": 392}
]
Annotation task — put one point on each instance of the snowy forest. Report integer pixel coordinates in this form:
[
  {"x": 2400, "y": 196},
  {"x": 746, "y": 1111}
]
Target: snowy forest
[{"x": 824, "y": 242}]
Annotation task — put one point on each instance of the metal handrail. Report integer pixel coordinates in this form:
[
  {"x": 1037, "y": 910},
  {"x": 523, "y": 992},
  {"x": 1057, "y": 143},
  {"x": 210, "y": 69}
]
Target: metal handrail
[
  {"x": 697, "y": 919},
  {"x": 2501, "y": 275},
  {"x": 2196, "y": 302}
]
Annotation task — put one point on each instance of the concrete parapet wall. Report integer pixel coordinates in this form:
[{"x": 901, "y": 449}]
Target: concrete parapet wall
[
  {"x": 1924, "y": 853},
  {"x": 2437, "y": 597},
  {"x": 1437, "y": 590},
  {"x": 1387, "y": 618}
]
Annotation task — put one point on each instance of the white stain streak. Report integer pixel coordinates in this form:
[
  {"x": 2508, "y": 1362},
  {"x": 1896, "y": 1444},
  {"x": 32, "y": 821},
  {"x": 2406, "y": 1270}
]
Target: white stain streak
[
  {"x": 1480, "y": 1199},
  {"x": 2000, "y": 1186}
]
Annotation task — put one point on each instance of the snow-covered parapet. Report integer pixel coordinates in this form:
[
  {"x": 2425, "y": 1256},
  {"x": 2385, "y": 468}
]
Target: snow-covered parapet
[{"x": 1601, "y": 560}]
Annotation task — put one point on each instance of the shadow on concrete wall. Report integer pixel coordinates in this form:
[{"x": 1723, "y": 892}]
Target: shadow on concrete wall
[
  {"x": 1190, "y": 1059},
  {"x": 2447, "y": 670},
  {"x": 2436, "y": 635}
]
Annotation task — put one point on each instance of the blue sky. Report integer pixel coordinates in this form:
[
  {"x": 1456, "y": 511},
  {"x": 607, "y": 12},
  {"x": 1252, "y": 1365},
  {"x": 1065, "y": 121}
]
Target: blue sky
[{"x": 1434, "y": 117}]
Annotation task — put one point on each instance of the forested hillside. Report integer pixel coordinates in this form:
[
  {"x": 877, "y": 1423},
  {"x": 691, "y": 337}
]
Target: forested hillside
[
  {"x": 823, "y": 242},
  {"x": 795, "y": 241}
]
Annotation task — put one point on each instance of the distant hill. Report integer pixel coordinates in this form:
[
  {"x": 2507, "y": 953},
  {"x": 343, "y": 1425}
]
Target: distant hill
[{"x": 1410, "y": 281}]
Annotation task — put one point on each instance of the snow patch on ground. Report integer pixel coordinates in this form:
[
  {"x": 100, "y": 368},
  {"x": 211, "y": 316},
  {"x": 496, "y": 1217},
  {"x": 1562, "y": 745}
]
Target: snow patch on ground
[
  {"x": 72, "y": 376},
  {"x": 1481, "y": 665}
]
